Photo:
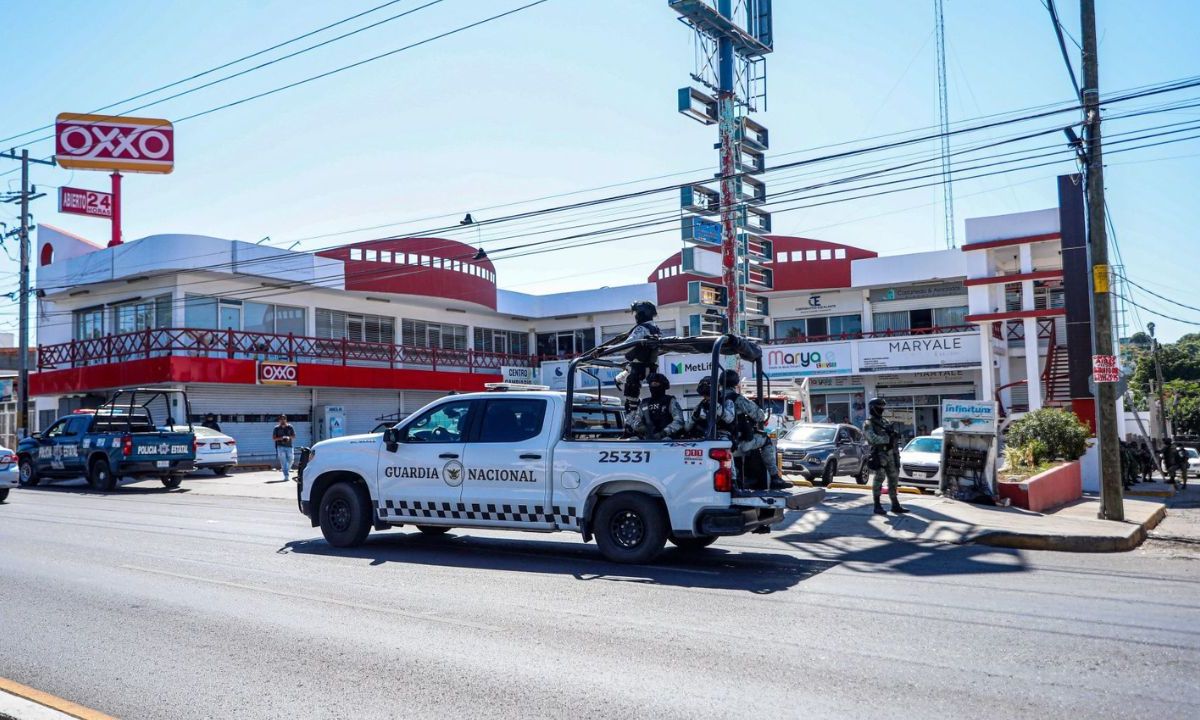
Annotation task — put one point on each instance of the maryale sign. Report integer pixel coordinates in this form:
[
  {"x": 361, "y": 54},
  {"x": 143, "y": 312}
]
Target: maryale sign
[
  {"x": 278, "y": 372},
  {"x": 917, "y": 352},
  {"x": 78, "y": 201},
  {"x": 807, "y": 359},
  {"x": 969, "y": 416},
  {"x": 518, "y": 375},
  {"x": 112, "y": 142}
]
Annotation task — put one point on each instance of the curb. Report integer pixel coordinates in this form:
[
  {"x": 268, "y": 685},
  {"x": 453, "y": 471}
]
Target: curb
[
  {"x": 64, "y": 707},
  {"x": 1071, "y": 543}
]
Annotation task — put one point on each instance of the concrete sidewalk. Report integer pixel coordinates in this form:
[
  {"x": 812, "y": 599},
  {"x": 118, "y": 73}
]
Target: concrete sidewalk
[{"x": 1073, "y": 528}]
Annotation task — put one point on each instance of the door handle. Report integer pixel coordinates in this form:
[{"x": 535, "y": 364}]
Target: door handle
[
  {"x": 449, "y": 456},
  {"x": 531, "y": 456}
]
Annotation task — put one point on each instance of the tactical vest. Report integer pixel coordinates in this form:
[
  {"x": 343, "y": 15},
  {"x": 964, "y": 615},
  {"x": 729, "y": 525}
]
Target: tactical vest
[
  {"x": 659, "y": 412},
  {"x": 643, "y": 355}
]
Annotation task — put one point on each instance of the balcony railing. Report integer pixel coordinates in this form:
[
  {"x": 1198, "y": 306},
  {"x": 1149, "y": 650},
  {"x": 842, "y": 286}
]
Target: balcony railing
[
  {"x": 236, "y": 344},
  {"x": 937, "y": 330}
]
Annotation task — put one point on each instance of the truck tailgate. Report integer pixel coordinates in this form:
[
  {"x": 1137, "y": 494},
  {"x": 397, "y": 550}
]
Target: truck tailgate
[
  {"x": 155, "y": 446},
  {"x": 799, "y": 499}
]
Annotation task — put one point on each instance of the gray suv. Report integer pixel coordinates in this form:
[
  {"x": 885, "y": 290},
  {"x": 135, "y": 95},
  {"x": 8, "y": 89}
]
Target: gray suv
[{"x": 822, "y": 451}]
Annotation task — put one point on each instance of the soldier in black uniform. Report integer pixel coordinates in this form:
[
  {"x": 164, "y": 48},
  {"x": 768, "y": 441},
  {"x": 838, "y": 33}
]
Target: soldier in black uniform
[
  {"x": 658, "y": 417},
  {"x": 698, "y": 421},
  {"x": 642, "y": 361}
]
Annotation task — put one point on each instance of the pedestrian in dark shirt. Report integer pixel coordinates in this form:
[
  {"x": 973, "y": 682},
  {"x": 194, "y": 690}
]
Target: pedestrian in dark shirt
[
  {"x": 284, "y": 434},
  {"x": 210, "y": 422}
]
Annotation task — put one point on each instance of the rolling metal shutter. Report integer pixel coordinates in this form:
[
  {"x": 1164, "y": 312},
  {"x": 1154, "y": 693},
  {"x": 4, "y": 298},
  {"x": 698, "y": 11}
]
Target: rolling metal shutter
[
  {"x": 247, "y": 413},
  {"x": 413, "y": 400},
  {"x": 363, "y": 407}
]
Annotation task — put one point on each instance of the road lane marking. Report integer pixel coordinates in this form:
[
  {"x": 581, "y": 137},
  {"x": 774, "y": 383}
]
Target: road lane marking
[
  {"x": 51, "y": 701},
  {"x": 429, "y": 617}
]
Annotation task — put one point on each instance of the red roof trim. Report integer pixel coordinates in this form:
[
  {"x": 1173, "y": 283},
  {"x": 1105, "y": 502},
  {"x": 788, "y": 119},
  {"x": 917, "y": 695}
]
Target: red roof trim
[
  {"x": 1016, "y": 315},
  {"x": 1008, "y": 242},
  {"x": 996, "y": 279}
]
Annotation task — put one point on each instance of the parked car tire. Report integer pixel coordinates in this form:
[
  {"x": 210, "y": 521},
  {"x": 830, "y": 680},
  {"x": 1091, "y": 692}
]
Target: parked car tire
[
  {"x": 3, "y": 494},
  {"x": 345, "y": 515},
  {"x": 433, "y": 529},
  {"x": 221, "y": 470},
  {"x": 630, "y": 527},
  {"x": 100, "y": 475},
  {"x": 861, "y": 477},
  {"x": 172, "y": 481},
  {"x": 27, "y": 474},
  {"x": 828, "y": 473},
  {"x": 689, "y": 544}
]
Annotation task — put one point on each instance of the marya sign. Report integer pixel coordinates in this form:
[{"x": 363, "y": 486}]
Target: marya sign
[
  {"x": 807, "y": 359},
  {"x": 278, "y": 372},
  {"x": 969, "y": 416}
]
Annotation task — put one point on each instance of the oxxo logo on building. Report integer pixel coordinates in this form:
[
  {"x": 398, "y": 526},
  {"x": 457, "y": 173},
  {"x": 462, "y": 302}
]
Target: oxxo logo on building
[{"x": 278, "y": 372}]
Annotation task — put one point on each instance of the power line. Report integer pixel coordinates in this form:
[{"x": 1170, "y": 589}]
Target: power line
[
  {"x": 212, "y": 70},
  {"x": 1159, "y": 314},
  {"x": 1160, "y": 297},
  {"x": 1062, "y": 45}
]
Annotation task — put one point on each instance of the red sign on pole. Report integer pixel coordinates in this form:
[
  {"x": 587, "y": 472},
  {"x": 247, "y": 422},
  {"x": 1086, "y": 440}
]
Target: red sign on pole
[
  {"x": 78, "y": 201},
  {"x": 1105, "y": 369},
  {"x": 112, "y": 142}
]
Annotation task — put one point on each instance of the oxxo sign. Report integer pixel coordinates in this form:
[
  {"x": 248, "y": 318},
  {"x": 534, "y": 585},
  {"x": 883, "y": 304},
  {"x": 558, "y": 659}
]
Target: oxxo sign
[
  {"x": 278, "y": 372},
  {"x": 111, "y": 142}
]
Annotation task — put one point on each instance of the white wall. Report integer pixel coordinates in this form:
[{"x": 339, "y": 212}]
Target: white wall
[
  {"x": 894, "y": 270},
  {"x": 1012, "y": 225}
]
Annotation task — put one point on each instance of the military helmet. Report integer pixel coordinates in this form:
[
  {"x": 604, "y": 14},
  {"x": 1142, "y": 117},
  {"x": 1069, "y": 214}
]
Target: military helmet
[
  {"x": 730, "y": 378},
  {"x": 658, "y": 379},
  {"x": 643, "y": 311},
  {"x": 877, "y": 405},
  {"x": 704, "y": 387}
]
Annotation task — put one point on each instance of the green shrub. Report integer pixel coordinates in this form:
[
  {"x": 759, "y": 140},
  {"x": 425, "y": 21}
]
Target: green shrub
[{"x": 1047, "y": 434}]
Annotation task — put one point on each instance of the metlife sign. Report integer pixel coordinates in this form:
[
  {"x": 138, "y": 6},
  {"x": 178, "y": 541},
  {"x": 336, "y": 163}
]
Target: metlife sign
[
  {"x": 685, "y": 369},
  {"x": 929, "y": 351}
]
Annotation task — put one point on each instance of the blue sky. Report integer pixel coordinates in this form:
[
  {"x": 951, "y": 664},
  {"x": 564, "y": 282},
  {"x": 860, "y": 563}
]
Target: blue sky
[{"x": 576, "y": 94}]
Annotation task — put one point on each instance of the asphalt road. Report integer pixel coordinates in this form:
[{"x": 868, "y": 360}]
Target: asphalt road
[{"x": 147, "y": 603}]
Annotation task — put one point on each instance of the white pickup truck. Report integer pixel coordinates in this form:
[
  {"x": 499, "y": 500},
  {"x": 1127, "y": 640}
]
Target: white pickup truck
[{"x": 521, "y": 461}]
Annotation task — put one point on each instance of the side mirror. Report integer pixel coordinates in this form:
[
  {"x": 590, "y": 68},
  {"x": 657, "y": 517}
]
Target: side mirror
[{"x": 391, "y": 438}]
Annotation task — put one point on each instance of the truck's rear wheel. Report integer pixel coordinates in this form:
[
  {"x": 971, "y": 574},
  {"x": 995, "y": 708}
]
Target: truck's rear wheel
[
  {"x": 172, "y": 481},
  {"x": 345, "y": 515},
  {"x": 3, "y": 494},
  {"x": 698, "y": 542},
  {"x": 27, "y": 473},
  {"x": 221, "y": 470},
  {"x": 100, "y": 475},
  {"x": 630, "y": 528},
  {"x": 433, "y": 529}
]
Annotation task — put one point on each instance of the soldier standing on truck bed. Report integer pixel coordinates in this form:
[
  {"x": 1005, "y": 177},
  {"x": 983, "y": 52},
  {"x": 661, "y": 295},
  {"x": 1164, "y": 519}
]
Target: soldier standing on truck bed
[
  {"x": 749, "y": 435},
  {"x": 885, "y": 455},
  {"x": 642, "y": 360}
]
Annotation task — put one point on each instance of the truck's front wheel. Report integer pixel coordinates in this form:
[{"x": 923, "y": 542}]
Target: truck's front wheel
[
  {"x": 27, "y": 476},
  {"x": 630, "y": 528},
  {"x": 100, "y": 475},
  {"x": 345, "y": 515}
]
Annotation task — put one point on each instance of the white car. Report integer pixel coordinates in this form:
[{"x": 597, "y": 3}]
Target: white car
[
  {"x": 8, "y": 472},
  {"x": 215, "y": 450},
  {"x": 921, "y": 462},
  {"x": 1193, "y": 461}
]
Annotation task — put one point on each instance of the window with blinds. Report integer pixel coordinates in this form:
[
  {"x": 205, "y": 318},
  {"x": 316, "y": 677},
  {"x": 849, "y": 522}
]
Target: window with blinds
[
  {"x": 512, "y": 342},
  {"x": 418, "y": 333},
  {"x": 335, "y": 325}
]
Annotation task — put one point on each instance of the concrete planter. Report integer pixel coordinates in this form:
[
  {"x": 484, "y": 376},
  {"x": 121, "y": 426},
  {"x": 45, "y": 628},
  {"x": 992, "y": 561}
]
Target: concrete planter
[{"x": 1046, "y": 490}]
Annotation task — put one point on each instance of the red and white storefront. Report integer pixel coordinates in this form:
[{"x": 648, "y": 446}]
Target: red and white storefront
[{"x": 383, "y": 327}]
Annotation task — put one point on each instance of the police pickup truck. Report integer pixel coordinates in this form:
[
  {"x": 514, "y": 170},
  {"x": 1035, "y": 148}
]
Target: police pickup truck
[
  {"x": 545, "y": 461},
  {"x": 134, "y": 434}
]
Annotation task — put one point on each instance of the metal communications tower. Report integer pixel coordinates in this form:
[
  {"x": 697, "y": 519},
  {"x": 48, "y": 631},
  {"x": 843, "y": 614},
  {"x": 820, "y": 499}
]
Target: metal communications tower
[
  {"x": 732, "y": 38},
  {"x": 944, "y": 122}
]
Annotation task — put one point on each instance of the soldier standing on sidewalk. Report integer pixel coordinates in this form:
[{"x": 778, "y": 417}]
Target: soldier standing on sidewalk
[{"x": 885, "y": 455}]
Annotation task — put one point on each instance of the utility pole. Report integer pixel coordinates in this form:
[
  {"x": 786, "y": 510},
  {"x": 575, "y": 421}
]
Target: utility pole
[
  {"x": 25, "y": 195},
  {"x": 1158, "y": 384},
  {"x": 726, "y": 112},
  {"x": 1111, "y": 502}
]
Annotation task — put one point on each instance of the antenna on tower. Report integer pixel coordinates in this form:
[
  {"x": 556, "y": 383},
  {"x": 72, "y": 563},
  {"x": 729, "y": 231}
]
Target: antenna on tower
[{"x": 944, "y": 122}]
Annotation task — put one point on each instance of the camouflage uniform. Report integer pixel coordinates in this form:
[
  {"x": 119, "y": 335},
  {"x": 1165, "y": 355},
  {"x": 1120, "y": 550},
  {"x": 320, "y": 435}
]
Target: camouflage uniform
[
  {"x": 882, "y": 438},
  {"x": 758, "y": 438},
  {"x": 656, "y": 418}
]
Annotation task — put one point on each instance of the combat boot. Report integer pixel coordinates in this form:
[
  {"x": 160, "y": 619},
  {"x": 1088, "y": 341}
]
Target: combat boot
[{"x": 897, "y": 510}]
